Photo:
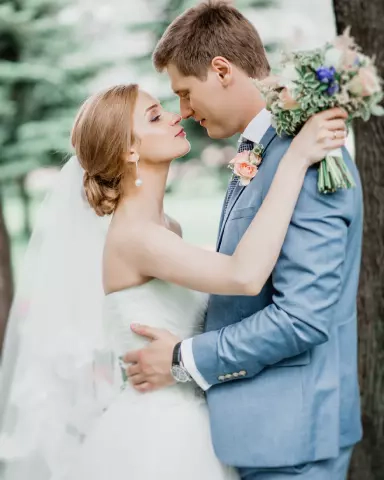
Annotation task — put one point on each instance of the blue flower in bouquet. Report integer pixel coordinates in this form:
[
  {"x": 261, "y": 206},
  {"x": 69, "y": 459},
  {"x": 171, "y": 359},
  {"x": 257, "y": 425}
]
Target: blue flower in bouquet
[
  {"x": 325, "y": 74},
  {"x": 333, "y": 88}
]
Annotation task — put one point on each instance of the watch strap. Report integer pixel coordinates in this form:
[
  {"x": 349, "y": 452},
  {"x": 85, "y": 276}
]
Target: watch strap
[{"x": 176, "y": 357}]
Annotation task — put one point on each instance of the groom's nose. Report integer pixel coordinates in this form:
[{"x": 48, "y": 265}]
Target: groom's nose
[{"x": 185, "y": 109}]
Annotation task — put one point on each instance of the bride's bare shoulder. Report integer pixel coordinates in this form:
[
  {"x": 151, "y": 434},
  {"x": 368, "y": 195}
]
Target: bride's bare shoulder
[
  {"x": 124, "y": 249},
  {"x": 124, "y": 237},
  {"x": 133, "y": 236}
]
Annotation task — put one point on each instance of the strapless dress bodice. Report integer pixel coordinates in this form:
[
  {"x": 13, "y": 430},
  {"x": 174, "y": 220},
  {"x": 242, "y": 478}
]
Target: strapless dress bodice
[{"x": 156, "y": 303}]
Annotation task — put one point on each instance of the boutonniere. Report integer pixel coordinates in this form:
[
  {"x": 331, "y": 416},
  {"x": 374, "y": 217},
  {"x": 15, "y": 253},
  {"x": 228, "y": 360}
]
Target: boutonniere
[{"x": 246, "y": 164}]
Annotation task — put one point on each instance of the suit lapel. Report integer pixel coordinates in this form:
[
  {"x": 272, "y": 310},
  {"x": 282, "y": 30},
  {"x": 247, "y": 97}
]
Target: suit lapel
[
  {"x": 235, "y": 195},
  {"x": 265, "y": 141},
  {"x": 220, "y": 224}
]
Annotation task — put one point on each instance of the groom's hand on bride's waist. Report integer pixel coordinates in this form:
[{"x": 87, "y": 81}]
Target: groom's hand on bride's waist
[{"x": 150, "y": 367}]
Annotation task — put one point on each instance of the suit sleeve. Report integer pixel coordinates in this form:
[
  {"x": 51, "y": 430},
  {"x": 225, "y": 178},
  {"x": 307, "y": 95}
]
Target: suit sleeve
[{"x": 306, "y": 282}]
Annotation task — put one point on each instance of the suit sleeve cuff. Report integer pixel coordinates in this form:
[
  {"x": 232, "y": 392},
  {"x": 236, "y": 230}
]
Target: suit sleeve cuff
[{"x": 190, "y": 365}]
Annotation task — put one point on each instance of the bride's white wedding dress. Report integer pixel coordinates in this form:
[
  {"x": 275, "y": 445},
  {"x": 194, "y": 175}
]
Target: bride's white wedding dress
[{"x": 159, "y": 435}]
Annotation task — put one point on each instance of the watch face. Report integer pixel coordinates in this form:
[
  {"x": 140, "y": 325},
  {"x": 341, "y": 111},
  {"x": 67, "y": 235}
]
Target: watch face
[{"x": 180, "y": 374}]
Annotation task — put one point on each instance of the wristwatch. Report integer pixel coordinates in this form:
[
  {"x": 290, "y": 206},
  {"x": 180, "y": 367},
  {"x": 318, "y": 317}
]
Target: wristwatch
[{"x": 178, "y": 371}]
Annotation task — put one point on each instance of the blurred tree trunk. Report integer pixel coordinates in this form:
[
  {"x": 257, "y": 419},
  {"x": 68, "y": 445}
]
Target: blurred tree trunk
[
  {"x": 25, "y": 201},
  {"x": 366, "y": 20},
  {"x": 6, "y": 282}
]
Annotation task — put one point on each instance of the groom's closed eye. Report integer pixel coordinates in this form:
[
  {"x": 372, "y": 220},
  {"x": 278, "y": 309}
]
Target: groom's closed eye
[{"x": 183, "y": 94}]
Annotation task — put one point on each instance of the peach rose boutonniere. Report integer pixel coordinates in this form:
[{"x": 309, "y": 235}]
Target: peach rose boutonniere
[{"x": 246, "y": 164}]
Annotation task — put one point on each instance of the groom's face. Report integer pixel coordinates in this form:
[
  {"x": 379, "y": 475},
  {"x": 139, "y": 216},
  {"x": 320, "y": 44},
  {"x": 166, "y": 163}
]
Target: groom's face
[{"x": 207, "y": 101}]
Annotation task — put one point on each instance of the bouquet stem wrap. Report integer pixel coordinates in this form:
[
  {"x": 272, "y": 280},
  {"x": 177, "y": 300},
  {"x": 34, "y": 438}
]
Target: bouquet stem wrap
[{"x": 334, "y": 174}]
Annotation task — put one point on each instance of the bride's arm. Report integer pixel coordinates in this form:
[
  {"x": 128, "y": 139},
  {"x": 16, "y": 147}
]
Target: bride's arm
[{"x": 162, "y": 254}]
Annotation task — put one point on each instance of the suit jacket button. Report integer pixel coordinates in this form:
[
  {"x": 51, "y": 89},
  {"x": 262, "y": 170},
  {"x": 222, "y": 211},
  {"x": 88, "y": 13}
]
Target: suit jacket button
[
  {"x": 221, "y": 378},
  {"x": 242, "y": 373}
]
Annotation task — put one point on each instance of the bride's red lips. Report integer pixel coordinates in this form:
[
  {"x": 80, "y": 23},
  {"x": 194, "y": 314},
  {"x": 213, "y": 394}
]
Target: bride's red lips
[{"x": 181, "y": 133}]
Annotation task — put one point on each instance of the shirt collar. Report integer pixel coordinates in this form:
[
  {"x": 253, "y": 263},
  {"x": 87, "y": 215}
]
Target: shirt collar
[{"x": 258, "y": 126}]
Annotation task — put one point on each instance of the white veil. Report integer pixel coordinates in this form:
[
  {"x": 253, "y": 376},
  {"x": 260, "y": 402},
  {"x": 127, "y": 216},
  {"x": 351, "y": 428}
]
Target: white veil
[{"x": 57, "y": 374}]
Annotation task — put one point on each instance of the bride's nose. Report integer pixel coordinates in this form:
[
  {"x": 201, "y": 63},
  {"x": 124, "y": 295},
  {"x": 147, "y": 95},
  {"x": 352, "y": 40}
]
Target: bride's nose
[{"x": 175, "y": 120}]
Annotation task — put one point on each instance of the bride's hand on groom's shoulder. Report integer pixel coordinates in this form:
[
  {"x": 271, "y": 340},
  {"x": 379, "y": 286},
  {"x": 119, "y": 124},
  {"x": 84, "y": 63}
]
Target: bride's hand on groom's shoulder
[{"x": 150, "y": 367}]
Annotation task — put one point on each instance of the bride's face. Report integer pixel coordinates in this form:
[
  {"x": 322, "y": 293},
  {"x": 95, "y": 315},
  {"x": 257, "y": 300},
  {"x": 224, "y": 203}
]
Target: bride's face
[{"x": 160, "y": 134}]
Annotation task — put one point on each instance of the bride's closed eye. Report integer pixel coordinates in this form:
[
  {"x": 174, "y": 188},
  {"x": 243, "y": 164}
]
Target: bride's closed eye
[{"x": 155, "y": 118}]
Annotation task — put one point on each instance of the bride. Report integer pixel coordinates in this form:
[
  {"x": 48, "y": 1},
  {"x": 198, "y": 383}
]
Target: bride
[{"x": 67, "y": 411}]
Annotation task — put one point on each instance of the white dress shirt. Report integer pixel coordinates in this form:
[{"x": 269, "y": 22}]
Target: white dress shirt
[{"x": 254, "y": 132}]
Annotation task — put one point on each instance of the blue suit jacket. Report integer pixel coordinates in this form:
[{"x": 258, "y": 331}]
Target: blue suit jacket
[{"x": 283, "y": 364}]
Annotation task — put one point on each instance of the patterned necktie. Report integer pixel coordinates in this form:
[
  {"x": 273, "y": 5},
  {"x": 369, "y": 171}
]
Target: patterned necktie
[{"x": 244, "y": 145}]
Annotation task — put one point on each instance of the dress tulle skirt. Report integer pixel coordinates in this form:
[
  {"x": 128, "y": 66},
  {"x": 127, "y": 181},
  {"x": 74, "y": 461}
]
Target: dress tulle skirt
[{"x": 159, "y": 435}]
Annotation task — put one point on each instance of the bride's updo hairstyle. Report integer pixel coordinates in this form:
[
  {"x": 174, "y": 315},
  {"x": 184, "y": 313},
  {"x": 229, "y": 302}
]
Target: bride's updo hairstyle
[{"x": 102, "y": 135}]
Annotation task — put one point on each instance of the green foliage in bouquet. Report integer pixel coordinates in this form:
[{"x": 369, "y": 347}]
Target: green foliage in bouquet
[{"x": 337, "y": 75}]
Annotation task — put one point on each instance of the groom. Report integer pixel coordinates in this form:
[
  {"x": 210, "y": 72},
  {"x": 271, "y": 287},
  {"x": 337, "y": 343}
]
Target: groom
[{"x": 279, "y": 369}]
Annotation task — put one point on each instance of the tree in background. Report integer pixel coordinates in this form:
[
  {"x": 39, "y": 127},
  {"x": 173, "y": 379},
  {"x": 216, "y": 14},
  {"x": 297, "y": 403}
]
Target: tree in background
[
  {"x": 6, "y": 279},
  {"x": 365, "y": 19},
  {"x": 44, "y": 75}
]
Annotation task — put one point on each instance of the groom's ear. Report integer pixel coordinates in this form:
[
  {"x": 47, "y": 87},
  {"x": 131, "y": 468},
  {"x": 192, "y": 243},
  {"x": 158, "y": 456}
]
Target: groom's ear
[{"x": 223, "y": 69}]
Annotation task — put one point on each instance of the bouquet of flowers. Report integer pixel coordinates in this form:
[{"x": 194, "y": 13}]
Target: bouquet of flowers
[{"x": 337, "y": 75}]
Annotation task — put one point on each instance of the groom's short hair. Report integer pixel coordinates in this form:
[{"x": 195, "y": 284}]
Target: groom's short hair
[{"x": 206, "y": 31}]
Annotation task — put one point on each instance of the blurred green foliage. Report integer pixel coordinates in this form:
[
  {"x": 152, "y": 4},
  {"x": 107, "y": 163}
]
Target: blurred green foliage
[{"x": 44, "y": 74}]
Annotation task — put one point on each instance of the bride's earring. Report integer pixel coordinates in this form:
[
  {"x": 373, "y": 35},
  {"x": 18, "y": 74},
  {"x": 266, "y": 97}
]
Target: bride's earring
[{"x": 138, "y": 181}]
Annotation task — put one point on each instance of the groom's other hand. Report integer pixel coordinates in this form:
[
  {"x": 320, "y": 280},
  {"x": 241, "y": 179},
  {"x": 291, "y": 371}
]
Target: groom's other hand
[{"x": 150, "y": 367}]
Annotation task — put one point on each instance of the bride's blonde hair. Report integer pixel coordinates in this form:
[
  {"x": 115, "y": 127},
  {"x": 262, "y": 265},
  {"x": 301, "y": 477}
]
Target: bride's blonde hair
[{"x": 102, "y": 134}]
